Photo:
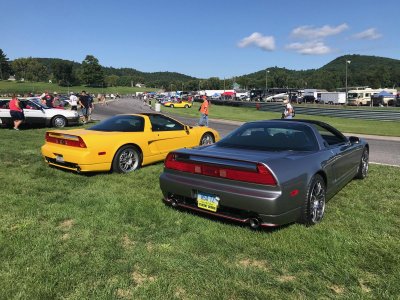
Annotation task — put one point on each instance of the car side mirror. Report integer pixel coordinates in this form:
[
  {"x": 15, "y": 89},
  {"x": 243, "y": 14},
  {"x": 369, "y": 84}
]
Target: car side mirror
[{"x": 354, "y": 139}]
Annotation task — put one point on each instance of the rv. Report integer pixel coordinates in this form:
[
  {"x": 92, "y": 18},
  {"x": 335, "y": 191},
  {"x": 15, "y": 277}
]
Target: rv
[{"x": 363, "y": 96}]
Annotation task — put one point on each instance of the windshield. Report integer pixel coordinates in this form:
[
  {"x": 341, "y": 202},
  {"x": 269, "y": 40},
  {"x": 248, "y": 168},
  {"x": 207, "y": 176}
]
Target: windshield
[
  {"x": 124, "y": 123},
  {"x": 272, "y": 136},
  {"x": 352, "y": 95}
]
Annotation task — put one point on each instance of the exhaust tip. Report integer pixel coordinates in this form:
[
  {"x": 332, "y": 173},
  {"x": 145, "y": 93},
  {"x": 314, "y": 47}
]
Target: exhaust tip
[
  {"x": 255, "y": 223},
  {"x": 174, "y": 203}
]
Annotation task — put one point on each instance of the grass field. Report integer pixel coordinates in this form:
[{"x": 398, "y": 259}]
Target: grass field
[
  {"x": 9, "y": 87},
  {"x": 109, "y": 236},
  {"x": 390, "y": 128}
]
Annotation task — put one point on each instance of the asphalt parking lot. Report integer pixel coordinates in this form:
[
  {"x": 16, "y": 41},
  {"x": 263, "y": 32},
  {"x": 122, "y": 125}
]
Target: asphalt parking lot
[{"x": 383, "y": 150}]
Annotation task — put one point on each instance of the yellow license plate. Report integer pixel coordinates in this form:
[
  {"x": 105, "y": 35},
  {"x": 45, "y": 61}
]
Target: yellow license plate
[{"x": 207, "y": 201}]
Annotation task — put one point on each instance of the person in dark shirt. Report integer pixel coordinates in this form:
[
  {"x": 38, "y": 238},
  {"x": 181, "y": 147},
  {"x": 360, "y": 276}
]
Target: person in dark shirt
[
  {"x": 84, "y": 102},
  {"x": 49, "y": 100}
]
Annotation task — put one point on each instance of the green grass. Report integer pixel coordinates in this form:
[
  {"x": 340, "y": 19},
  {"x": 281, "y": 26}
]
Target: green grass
[
  {"x": 9, "y": 87},
  {"x": 244, "y": 114},
  {"x": 109, "y": 236}
]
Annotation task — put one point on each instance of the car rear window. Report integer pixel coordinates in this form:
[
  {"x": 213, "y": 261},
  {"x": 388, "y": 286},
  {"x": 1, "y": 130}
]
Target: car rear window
[
  {"x": 120, "y": 123},
  {"x": 272, "y": 136}
]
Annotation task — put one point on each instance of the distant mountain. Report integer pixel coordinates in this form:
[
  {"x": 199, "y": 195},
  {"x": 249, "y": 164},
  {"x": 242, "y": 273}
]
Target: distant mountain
[
  {"x": 372, "y": 71},
  {"x": 363, "y": 70}
]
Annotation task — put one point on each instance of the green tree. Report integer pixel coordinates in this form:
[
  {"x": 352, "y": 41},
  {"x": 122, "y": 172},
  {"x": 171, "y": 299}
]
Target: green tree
[
  {"x": 92, "y": 73},
  {"x": 20, "y": 67},
  {"x": 111, "y": 80},
  {"x": 63, "y": 72},
  {"x": 36, "y": 71},
  {"x": 29, "y": 69},
  {"x": 214, "y": 83},
  {"x": 5, "y": 68}
]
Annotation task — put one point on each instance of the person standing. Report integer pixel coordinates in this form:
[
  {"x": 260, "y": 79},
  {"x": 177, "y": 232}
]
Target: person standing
[
  {"x": 288, "y": 112},
  {"x": 43, "y": 97},
  {"x": 204, "y": 112},
  {"x": 103, "y": 100},
  {"x": 16, "y": 112},
  {"x": 49, "y": 100},
  {"x": 145, "y": 99},
  {"x": 73, "y": 101},
  {"x": 84, "y": 102}
]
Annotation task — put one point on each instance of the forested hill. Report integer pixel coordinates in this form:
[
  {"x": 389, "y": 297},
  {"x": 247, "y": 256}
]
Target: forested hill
[
  {"x": 133, "y": 74},
  {"x": 362, "y": 70}
]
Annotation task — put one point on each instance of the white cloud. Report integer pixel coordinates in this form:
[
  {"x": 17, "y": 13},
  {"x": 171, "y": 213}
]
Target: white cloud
[
  {"x": 266, "y": 43},
  {"x": 310, "y": 32},
  {"x": 369, "y": 34},
  {"x": 310, "y": 48}
]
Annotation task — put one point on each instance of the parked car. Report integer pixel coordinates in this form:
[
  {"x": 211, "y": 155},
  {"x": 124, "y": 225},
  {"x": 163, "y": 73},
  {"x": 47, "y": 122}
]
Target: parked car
[
  {"x": 266, "y": 173},
  {"x": 178, "y": 104},
  {"x": 122, "y": 143},
  {"x": 37, "y": 114}
]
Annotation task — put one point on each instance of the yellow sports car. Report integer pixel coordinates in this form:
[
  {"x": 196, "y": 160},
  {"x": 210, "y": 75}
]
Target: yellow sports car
[
  {"x": 182, "y": 104},
  {"x": 122, "y": 143}
]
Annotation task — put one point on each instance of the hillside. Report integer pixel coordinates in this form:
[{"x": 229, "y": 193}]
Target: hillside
[{"x": 363, "y": 70}]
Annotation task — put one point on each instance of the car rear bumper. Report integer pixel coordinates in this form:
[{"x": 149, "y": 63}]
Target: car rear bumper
[
  {"x": 240, "y": 202},
  {"x": 77, "y": 167},
  {"x": 75, "y": 159}
]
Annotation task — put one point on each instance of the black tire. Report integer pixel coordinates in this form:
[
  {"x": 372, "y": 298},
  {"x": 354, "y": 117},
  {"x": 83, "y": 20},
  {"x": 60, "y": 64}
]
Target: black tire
[
  {"x": 171, "y": 106},
  {"x": 207, "y": 139},
  {"x": 59, "y": 122},
  {"x": 362, "y": 171},
  {"x": 186, "y": 106},
  {"x": 314, "y": 203},
  {"x": 127, "y": 159}
]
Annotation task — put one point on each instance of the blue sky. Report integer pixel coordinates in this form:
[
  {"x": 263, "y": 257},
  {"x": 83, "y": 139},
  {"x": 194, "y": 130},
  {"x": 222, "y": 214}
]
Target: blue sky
[{"x": 201, "y": 38}]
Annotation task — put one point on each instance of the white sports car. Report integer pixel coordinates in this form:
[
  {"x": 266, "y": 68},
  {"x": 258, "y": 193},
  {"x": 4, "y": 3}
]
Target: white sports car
[{"x": 38, "y": 114}]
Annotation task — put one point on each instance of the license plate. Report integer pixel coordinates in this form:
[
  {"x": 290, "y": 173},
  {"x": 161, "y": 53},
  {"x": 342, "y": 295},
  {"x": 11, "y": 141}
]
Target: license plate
[
  {"x": 207, "y": 201},
  {"x": 59, "y": 158}
]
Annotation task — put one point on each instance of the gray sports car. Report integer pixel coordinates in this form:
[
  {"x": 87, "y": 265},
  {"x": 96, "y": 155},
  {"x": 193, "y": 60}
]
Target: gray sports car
[{"x": 266, "y": 173}]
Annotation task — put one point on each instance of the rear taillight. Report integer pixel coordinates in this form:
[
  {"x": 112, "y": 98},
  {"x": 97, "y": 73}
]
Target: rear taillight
[
  {"x": 262, "y": 175},
  {"x": 64, "y": 139}
]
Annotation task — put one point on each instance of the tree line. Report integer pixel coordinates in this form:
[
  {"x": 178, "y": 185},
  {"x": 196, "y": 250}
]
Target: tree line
[{"x": 362, "y": 70}]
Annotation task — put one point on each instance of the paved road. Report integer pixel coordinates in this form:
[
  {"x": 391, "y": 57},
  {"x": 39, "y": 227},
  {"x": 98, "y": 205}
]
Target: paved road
[{"x": 383, "y": 150}]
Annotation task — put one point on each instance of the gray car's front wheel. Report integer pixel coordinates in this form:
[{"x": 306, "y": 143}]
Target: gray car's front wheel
[
  {"x": 314, "y": 204},
  {"x": 363, "y": 166},
  {"x": 59, "y": 121},
  {"x": 127, "y": 159},
  {"x": 207, "y": 139}
]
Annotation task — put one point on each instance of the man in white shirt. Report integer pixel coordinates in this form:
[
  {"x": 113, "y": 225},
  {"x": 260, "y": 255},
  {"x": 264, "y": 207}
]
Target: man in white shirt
[
  {"x": 73, "y": 101},
  {"x": 288, "y": 113}
]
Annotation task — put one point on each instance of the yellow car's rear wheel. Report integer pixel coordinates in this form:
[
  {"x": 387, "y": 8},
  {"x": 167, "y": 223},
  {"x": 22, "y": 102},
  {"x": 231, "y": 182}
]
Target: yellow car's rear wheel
[
  {"x": 127, "y": 159},
  {"x": 207, "y": 139}
]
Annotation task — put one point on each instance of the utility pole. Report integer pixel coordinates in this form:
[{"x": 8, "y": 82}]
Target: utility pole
[{"x": 347, "y": 62}]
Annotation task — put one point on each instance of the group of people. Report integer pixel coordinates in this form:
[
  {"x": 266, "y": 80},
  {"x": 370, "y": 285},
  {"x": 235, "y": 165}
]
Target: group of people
[
  {"x": 288, "y": 112},
  {"x": 51, "y": 100},
  {"x": 85, "y": 101}
]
